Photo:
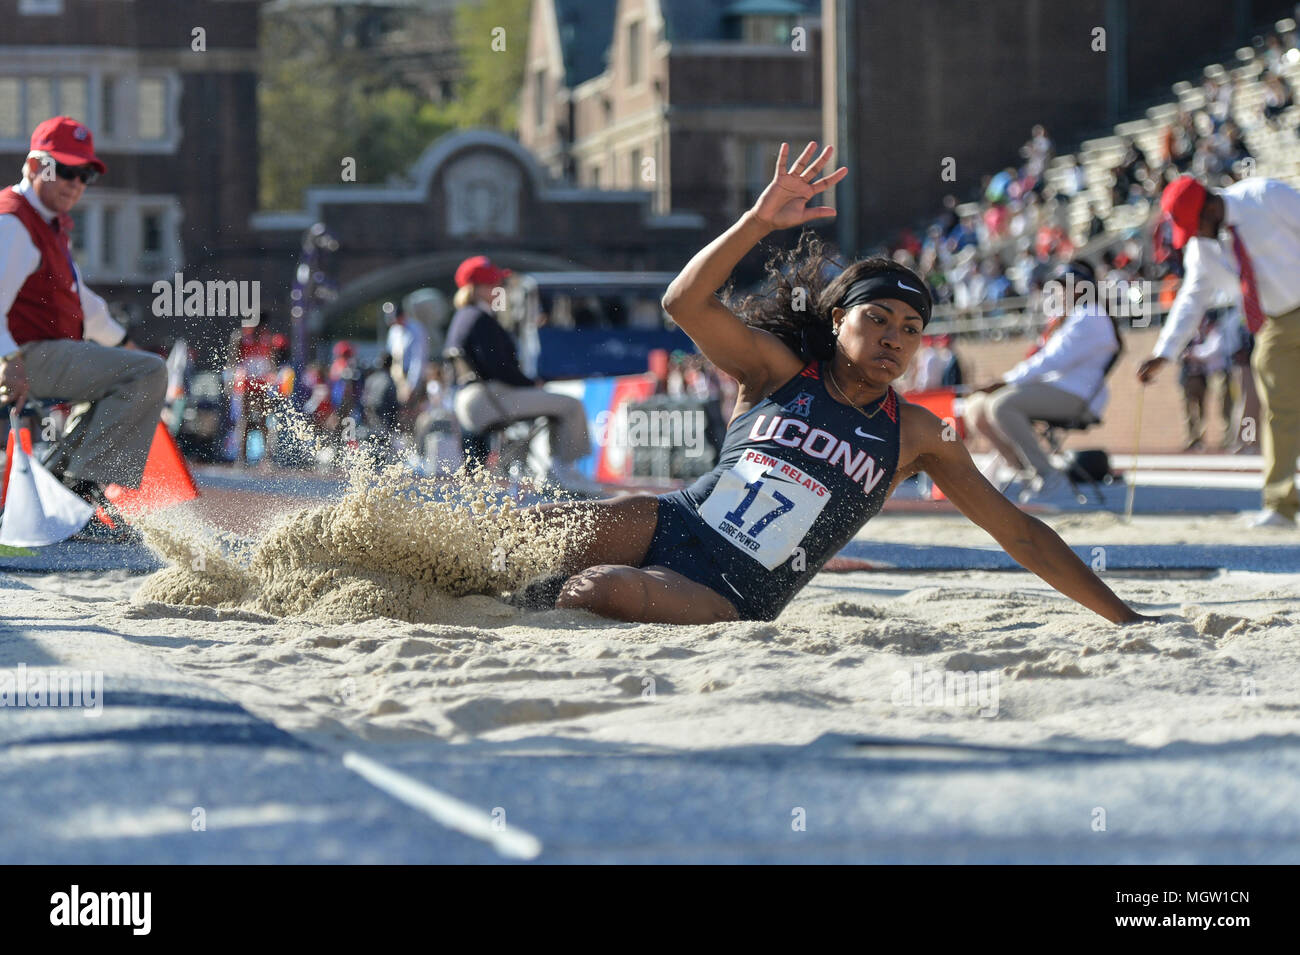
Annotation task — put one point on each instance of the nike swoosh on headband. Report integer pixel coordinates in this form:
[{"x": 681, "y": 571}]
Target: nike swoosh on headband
[{"x": 909, "y": 288}]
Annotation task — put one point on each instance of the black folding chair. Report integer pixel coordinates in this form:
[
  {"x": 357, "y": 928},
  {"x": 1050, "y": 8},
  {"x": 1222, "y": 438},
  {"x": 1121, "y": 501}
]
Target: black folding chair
[
  {"x": 505, "y": 447},
  {"x": 1054, "y": 432}
]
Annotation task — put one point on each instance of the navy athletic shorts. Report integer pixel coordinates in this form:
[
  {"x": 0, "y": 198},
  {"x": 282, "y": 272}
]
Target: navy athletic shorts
[{"x": 679, "y": 546}]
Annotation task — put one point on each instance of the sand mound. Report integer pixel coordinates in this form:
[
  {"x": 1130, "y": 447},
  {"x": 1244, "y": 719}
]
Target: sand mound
[{"x": 395, "y": 545}]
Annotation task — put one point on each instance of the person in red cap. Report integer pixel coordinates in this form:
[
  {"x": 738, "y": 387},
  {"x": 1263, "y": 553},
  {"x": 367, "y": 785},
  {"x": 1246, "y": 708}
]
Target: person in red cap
[
  {"x": 493, "y": 389},
  {"x": 1244, "y": 242},
  {"x": 58, "y": 340}
]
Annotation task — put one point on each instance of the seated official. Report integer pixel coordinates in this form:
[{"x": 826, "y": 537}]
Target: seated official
[
  {"x": 57, "y": 340},
  {"x": 493, "y": 389},
  {"x": 1063, "y": 380}
]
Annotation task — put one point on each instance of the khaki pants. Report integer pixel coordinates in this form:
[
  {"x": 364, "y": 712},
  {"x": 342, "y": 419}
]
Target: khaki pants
[
  {"x": 1005, "y": 417},
  {"x": 481, "y": 405},
  {"x": 1276, "y": 361},
  {"x": 126, "y": 389}
]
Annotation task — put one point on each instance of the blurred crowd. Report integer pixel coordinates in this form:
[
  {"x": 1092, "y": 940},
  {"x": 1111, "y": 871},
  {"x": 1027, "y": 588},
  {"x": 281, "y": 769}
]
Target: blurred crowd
[{"x": 1005, "y": 243}]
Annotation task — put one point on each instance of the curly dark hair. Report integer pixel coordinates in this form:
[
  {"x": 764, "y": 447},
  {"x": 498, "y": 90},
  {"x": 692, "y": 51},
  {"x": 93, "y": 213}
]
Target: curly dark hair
[{"x": 797, "y": 296}]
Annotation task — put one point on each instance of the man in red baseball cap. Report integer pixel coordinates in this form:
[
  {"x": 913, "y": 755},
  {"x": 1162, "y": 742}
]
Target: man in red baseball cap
[
  {"x": 493, "y": 389},
  {"x": 57, "y": 339},
  {"x": 479, "y": 270},
  {"x": 1243, "y": 242}
]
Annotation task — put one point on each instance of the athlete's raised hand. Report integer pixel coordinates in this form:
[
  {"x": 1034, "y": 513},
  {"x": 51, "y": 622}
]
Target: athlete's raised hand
[{"x": 784, "y": 203}]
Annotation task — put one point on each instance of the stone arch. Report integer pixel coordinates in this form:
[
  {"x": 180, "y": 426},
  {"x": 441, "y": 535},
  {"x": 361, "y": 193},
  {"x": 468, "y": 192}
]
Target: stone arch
[{"x": 436, "y": 270}]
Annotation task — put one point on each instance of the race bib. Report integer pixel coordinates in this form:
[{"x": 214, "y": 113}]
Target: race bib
[{"x": 764, "y": 506}]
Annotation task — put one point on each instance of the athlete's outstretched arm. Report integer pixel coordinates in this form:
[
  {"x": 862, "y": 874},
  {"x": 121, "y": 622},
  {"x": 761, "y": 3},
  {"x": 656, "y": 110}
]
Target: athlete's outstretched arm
[
  {"x": 751, "y": 356},
  {"x": 1029, "y": 541}
]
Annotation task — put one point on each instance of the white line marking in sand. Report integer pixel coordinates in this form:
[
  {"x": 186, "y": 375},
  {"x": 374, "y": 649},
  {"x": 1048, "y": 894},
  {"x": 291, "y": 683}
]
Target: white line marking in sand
[{"x": 447, "y": 810}]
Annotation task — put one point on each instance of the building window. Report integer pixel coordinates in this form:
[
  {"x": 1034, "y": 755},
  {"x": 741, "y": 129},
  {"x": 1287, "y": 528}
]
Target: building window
[
  {"x": 108, "y": 107},
  {"x": 151, "y": 241},
  {"x": 636, "y": 169},
  {"x": 24, "y": 103},
  {"x": 40, "y": 7},
  {"x": 108, "y": 258},
  {"x": 11, "y": 108},
  {"x": 634, "y": 66},
  {"x": 40, "y": 101},
  {"x": 595, "y": 177},
  {"x": 152, "y": 119},
  {"x": 77, "y": 240},
  {"x": 539, "y": 98},
  {"x": 73, "y": 94},
  {"x": 767, "y": 29}
]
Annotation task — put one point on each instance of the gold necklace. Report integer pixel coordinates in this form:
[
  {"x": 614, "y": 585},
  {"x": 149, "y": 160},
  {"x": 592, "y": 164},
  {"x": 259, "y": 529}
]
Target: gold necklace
[{"x": 830, "y": 376}]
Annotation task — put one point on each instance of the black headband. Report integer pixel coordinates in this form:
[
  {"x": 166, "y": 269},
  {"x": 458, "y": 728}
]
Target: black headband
[{"x": 913, "y": 292}]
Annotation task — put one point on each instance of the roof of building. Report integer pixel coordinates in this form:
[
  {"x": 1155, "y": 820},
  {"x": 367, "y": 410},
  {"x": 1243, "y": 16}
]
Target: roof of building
[{"x": 586, "y": 29}]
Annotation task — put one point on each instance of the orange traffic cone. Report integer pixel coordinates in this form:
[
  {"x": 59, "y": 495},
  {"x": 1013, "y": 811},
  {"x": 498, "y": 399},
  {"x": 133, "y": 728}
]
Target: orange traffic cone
[
  {"x": 9, "y": 457},
  {"x": 166, "y": 481}
]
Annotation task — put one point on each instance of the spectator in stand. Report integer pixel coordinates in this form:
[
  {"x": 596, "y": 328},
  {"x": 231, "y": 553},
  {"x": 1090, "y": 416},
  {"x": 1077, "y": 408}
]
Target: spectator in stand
[
  {"x": 926, "y": 372},
  {"x": 344, "y": 393},
  {"x": 380, "y": 405},
  {"x": 1037, "y": 152},
  {"x": 1096, "y": 224},
  {"x": 1277, "y": 99},
  {"x": 408, "y": 344},
  {"x": 952, "y": 376},
  {"x": 1231, "y": 147},
  {"x": 1210, "y": 355},
  {"x": 1206, "y": 163},
  {"x": 1076, "y": 179}
]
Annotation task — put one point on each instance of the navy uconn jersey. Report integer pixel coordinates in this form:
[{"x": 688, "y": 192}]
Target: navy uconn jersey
[{"x": 798, "y": 476}]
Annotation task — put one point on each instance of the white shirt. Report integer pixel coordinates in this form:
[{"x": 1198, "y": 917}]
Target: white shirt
[
  {"x": 19, "y": 258},
  {"x": 408, "y": 343},
  {"x": 1267, "y": 216},
  {"x": 1074, "y": 358}
]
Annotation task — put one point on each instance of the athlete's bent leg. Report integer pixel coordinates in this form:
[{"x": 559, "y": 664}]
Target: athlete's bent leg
[
  {"x": 617, "y": 530},
  {"x": 644, "y": 595}
]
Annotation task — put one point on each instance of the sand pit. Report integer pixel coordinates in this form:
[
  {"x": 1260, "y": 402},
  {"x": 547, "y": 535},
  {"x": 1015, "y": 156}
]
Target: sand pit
[{"x": 987, "y": 657}]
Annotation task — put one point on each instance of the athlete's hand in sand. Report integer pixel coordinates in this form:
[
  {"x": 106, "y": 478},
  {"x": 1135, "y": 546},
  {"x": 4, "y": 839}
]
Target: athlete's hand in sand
[
  {"x": 1140, "y": 618},
  {"x": 784, "y": 203},
  {"x": 1148, "y": 370}
]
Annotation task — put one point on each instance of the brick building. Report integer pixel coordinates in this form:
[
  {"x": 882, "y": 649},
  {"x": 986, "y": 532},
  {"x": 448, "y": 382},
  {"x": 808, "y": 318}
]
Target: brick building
[{"x": 685, "y": 99}]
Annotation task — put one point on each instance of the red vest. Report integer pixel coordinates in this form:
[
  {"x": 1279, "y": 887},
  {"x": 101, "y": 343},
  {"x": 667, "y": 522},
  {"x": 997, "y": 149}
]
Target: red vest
[{"x": 47, "y": 306}]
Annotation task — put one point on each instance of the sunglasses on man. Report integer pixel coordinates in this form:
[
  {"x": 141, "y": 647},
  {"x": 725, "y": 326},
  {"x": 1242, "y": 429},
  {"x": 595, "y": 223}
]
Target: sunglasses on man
[{"x": 87, "y": 174}]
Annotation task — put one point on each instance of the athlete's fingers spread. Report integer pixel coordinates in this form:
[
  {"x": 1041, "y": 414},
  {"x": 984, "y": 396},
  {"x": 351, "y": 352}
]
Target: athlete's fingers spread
[
  {"x": 803, "y": 158},
  {"x": 781, "y": 157},
  {"x": 817, "y": 165},
  {"x": 825, "y": 182}
]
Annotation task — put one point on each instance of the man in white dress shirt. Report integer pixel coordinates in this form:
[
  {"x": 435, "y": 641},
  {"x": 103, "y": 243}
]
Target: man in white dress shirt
[
  {"x": 1245, "y": 240},
  {"x": 57, "y": 340}
]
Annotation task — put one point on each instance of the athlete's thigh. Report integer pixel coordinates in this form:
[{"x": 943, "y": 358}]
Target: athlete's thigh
[
  {"x": 644, "y": 595},
  {"x": 616, "y": 530}
]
